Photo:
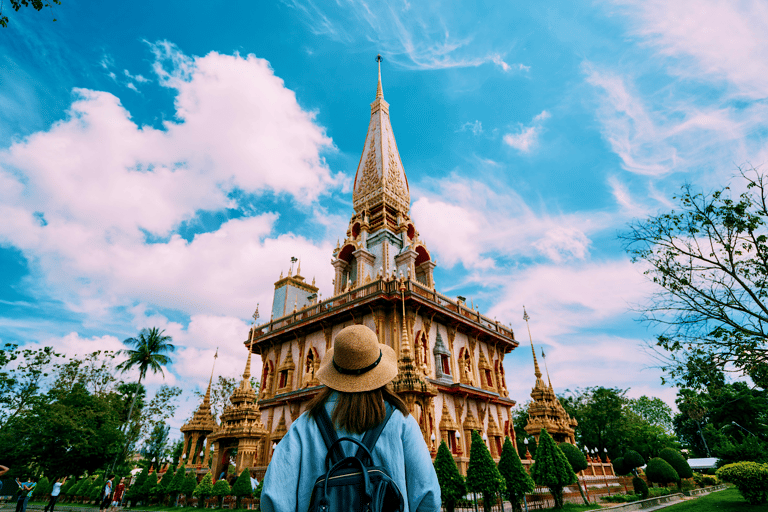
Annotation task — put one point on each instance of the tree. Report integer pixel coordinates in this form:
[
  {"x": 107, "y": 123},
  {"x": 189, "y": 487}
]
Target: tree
[
  {"x": 156, "y": 447},
  {"x": 452, "y": 485},
  {"x": 220, "y": 489},
  {"x": 148, "y": 353},
  {"x": 710, "y": 262},
  {"x": 516, "y": 478},
  {"x": 552, "y": 469},
  {"x": 204, "y": 489},
  {"x": 242, "y": 487},
  {"x": 659, "y": 471},
  {"x": 676, "y": 460},
  {"x": 134, "y": 491},
  {"x": 652, "y": 410},
  {"x": 190, "y": 484},
  {"x": 35, "y": 4},
  {"x": 750, "y": 478},
  {"x": 176, "y": 485},
  {"x": 600, "y": 413},
  {"x": 519, "y": 421},
  {"x": 22, "y": 373},
  {"x": 578, "y": 463},
  {"x": 482, "y": 474},
  {"x": 221, "y": 390},
  {"x": 634, "y": 460},
  {"x": 145, "y": 492}
]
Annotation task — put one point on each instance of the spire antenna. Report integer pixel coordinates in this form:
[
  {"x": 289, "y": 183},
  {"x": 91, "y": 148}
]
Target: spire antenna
[
  {"x": 379, "y": 91},
  {"x": 537, "y": 371}
]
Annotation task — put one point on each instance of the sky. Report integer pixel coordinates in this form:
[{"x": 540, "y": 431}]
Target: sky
[{"x": 161, "y": 162}]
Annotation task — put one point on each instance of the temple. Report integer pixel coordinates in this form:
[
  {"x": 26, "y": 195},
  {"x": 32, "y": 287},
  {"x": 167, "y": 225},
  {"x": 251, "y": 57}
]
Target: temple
[
  {"x": 450, "y": 356},
  {"x": 545, "y": 410}
]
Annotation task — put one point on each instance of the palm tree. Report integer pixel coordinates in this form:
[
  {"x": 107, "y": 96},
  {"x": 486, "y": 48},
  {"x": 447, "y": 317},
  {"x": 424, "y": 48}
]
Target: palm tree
[{"x": 148, "y": 353}]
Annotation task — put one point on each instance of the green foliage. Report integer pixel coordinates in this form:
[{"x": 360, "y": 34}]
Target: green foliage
[
  {"x": 257, "y": 492},
  {"x": 677, "y": 461},
  {"x": 75, "y": 489},
  {"x": 452, "y": 485},
  {"x": 133, "y": 494},
  {"x": 67, "y": 486},
  {"x": 552, "y": 469},
  {"x": 640, "y": 487},
  {"x": 43, "y": 487},
  {"x": 482, "y": 474},
  {"x": 750, "y": 478},
  {"x": 619, "y": 467},
  {"x": 516, "y": 478},
  {"x": 221, "y": 488},
  {"x": 176, "y": 484},
  {"x": 519, "y": 421},
  {"x": 654, "y": 411},
  {"x": 242, "y": 486},
  {"x": 146, "y": 489},
  {"x": 659, "y": 471},
  {"x": 96, "y": 490},
  {"x": 633, "y": 460},
  {"x": 190, "y": 484},
  {"x": 35, "y": 4},
  {"x": 204, "y": 489},
  {"x": 709, "y": 259},
  {"x": 576, "y": 459}
]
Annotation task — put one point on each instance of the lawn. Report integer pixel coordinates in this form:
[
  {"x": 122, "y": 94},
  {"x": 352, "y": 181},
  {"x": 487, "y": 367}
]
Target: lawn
[{"x": 720, "y": 501}]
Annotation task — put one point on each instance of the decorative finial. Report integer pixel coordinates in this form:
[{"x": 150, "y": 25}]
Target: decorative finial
[
  {"x": 207, "y": 398},
  {"x": 256, "y": 314},
  {"x": 536, "y": 369},
  {"x": 298, "y": 269},
  {"x": 379, "y": 92}
]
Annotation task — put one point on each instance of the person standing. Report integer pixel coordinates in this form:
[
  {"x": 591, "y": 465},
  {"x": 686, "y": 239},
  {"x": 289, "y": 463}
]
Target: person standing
[
  {"x": 26, "y": 493},
  {"x": 254, "y": 481},
  {"x": 118, "y": 497},
  {"x": 107, "y": 497},
  {"x": 355, "y": 372},
  {"x": 55, "y": 491}
]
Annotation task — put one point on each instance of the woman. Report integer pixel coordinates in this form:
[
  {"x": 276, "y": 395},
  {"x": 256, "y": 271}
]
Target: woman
[
  {"x": 355, "y": 372},
  {"x": 117, "y": 499}
]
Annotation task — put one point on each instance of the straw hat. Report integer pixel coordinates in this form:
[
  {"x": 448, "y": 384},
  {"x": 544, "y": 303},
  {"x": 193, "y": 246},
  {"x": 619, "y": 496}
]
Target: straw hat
[{"x": 357, "y": 361}]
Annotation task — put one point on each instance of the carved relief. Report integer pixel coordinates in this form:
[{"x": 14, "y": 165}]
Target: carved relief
[{"x": 369, "y": 179}]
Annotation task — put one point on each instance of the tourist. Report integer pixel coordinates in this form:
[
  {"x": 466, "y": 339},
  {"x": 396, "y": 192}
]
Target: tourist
[
  {"x": 118, "y": 497},
  {"x": 106, "y": 500},
  {"x": 55, "y": 491},
  {"x": 355, "y": 372},
  {"x": 254, "y": 481},
  {"x": 26, "y": 493},
  {"x": 3, "y": 470}
]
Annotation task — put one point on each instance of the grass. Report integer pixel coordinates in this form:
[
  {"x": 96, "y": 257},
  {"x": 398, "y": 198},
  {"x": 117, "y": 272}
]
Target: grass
[{"x": 720, "y": 501}]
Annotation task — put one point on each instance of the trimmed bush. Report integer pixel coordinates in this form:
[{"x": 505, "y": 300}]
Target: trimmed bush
[
  {"x": 552, "y": 469},
  {"x": 619, "y": 467},
  {"x": 220, "y": 489},
  {"x": 677, "y": 461},
  {"x": 452, "y": 485},
  {"x": 42, "y": 488},
  {"x": 133, "y": 493},
  {"x": 661, "y": 472},
  {"x": 518, "y": 481},
  {"x": 640, "y": 487},
  {"x": 482, "y": 474},
  {"x": 633, "y": 460},
  {"x": 750, "y": 478},
  {"x": 145, "y": 492},
  {"x": 176, "y": 483},
  {"x": 190, "y": 484},
  {"x": 578, "y": 462},
  {"x": 242, "y": 487},
  {"x": 257, "y": 492},
  {"x": 204, "y": 489}
]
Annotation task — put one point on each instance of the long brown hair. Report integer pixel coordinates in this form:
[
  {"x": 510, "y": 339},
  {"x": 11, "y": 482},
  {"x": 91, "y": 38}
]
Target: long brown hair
[{"x": 359, "y": 411}]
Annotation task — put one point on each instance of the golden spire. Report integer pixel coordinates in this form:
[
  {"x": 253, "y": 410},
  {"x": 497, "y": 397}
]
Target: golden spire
[
  {"x": 298, "y": 269},
  {"x": 406, "y": 347},
  {"x": 544, "y": 358},
  {"x": 246, "y": 384},
  {"x": 379, "y": 91},
  {"x": 207, "y": 398},
  {"x": 537, "y": 371}
]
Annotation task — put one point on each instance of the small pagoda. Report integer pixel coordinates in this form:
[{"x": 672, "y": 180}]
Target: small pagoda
[
  {"x": 242, "y": 435},
  {"x": 197, "y": 431},
  {"x": 546, "y": 411}
]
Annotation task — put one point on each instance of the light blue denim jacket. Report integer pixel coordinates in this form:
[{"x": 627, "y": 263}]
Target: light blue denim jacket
[{"x": 299, "y": 459}]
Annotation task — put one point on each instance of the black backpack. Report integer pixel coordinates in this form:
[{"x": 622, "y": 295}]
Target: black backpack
[{"x": 354, "y": 484}]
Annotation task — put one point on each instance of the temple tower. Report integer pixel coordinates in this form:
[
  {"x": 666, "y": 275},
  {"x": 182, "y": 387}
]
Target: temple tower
[
  {"x": 546, "y": 411},
  {"x": 197, "y": 431},
  {"x": 450, "y": 356}
]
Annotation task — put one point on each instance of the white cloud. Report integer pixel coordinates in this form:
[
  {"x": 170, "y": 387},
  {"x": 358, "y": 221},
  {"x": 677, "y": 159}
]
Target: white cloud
[
  {"x": 469, "y": 222},
  {"x": 475, "y": 127},
  {"x": 528, "y": 136},
  {"x": 712, "y": 39},
  {"x": 103, "y": 185}
]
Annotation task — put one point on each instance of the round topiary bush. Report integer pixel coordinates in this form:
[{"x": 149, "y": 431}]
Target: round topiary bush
[
  {"x": 660, "y": 472},
  {"x": 619, "y": 467},
  {"x": 633, "y": 460},
  {"x": 640, "y": 487},
  {"x": 750, "y": 478},
  {"x": 677, "y": 461}
]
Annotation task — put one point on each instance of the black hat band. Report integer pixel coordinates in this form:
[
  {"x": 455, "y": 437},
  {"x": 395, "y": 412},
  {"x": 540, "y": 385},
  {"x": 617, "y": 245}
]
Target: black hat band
[{"x": 346, "y": 371}]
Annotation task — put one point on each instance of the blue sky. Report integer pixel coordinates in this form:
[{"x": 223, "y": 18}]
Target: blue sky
[{"x": 160, "y": 162}]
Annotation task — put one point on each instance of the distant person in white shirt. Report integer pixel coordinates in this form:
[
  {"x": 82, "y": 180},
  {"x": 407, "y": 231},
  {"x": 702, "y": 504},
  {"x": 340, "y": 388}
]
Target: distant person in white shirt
[
  {"x": 55, "y": 494},
  {"x": 254, "y": 482}
]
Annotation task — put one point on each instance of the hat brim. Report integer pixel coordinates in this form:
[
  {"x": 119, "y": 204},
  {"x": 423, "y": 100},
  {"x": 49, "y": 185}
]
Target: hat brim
[{"x": 380, "y": 376}]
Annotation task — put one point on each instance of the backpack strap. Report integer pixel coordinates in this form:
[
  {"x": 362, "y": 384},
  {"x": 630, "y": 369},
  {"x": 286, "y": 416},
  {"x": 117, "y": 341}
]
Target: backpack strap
[
  {"x": 370, "y": 437},
  {"x": 329, "y": 436}
]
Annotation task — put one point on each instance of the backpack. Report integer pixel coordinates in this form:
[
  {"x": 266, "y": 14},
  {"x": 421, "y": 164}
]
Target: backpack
[{"x": 353, "y": 484}]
